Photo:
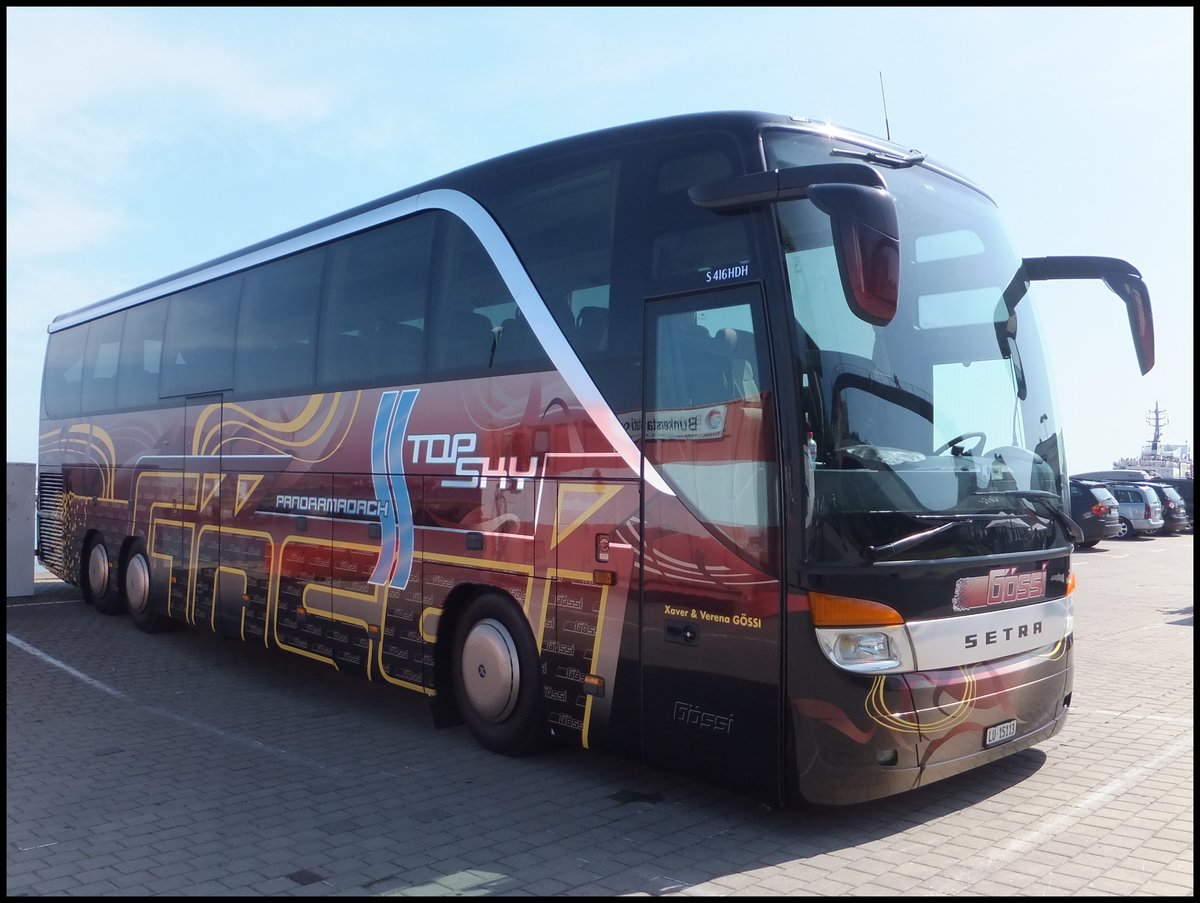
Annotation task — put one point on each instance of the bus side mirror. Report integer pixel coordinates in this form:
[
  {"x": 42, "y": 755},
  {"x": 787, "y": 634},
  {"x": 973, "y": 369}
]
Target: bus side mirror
[
  {"x": 1122, "y": 278},
  {"x": 1132, "y": 290},
  {"x": 866, "y": 240}
]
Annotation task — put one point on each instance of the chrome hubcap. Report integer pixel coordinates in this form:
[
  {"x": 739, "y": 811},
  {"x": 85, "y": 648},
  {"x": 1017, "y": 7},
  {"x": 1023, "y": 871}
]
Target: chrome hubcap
[
  {"x": 137, "y": 583},
  {"x": 491, "y": 671},
  {"x": 98, "y": 570}
]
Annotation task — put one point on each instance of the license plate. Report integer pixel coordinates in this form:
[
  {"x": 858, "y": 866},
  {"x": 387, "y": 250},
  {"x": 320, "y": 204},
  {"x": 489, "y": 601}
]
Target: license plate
[{"x": 999, "y": 733}]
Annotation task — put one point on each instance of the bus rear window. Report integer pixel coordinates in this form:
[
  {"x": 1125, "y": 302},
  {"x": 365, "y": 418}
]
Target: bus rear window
[{"x": 64, "y": 372}]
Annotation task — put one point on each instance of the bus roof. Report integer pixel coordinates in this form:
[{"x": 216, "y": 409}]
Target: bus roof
[{"x": 744, "y": 122}]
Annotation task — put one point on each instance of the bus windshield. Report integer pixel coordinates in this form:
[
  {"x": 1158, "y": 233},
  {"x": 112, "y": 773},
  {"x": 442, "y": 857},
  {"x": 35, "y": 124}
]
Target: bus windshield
[{"x": 943, "y": 418}]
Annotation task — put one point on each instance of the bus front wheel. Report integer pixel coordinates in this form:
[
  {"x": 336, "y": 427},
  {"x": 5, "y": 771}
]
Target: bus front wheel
[
  {"x": 135, "y": 589},
  {"x": 495, "y": 674},
  {"x": 99, "y": 589}
]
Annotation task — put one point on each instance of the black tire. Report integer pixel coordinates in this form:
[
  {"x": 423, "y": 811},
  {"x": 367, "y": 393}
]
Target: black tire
[
  {"x": 1091, "y": 543},
  {"x": 1127, "y": 531},
  {"x": 96, "y": 577},
  {"x": 496, "y": 676},
  {"x": 134, "y": 583}
]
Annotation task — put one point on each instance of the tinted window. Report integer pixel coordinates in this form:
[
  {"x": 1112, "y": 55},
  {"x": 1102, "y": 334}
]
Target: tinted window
[
  {"x": 63, "y": 373},
  {"x": 373, "y": 319},
  {"x": 601, "y": 232},
  {"x": 561, "y": 223},
  {"x": 198, "y": 348},
  {"x": 691, "y": 247},
  {"x": 100, "y": 364},
  {"x": 141, "y": 355},
  {"x": 277, "y": 333},
  {"x": 477, "y": 327},
  {"x": 705, "y": 426},
  {"x": 680, "y": 247}
]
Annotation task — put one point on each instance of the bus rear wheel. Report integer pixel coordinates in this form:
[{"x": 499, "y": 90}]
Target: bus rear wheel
[
  {"x": 96, "y": 579},
  {"x": 495, "y": 674},
  {"x": 135, "y": 589}
]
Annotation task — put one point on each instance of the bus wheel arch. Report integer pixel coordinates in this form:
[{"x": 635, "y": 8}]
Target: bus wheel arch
[
  {"x": 134, "y": 586},
  {"x": 494, "y": 670},
  {"x": 97, "y": 577}
]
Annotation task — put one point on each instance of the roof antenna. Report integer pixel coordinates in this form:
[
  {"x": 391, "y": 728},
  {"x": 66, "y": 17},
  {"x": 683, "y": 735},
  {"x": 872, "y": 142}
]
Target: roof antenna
[{"x": 886, "y": 127}]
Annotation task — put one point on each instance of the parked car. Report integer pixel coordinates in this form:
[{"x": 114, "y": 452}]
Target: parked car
[
  {"x": 1140, "y": 509},
  {"x": 1175, "y": 510},
  {"x": 1095, "y": 509},
  {"x": 1182, "y": 485}
]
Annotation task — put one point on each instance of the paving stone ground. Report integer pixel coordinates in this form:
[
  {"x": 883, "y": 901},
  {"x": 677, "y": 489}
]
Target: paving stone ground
[{"x": 186, "y": 764}]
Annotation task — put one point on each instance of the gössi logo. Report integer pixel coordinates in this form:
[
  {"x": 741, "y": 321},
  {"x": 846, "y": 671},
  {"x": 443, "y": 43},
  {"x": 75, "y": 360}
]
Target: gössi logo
[
  {"x": 999, "y": 586},
  {"x": 686, "y": 713}
]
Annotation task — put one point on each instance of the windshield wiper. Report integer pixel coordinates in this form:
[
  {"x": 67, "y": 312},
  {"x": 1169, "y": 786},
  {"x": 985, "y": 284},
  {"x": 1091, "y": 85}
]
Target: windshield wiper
[
  {"x": 1041, "y": 495},
  {"x": 891, "y": 549},
  {"x": 883, "y": 158}
]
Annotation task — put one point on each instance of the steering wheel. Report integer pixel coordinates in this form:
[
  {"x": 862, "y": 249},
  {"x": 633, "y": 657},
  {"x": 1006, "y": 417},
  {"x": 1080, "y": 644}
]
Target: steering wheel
[{"x": 974, "y": 452}]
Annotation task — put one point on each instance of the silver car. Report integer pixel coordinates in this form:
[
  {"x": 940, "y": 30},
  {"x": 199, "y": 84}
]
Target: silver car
[{"x": 1140, "y": 509}]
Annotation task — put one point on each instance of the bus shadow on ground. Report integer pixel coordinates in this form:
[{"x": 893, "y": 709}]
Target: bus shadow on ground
[
  {"x": 350, "y": 787},
  {"x": 625, "y": 829}
]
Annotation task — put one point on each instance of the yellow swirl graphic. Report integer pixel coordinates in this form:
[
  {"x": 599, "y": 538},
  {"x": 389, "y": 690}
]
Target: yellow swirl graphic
[
  {"x": 876, "y": 706},
  {"x": 287, "y": 426},
  {"x": 99, "y": 447},
  {"x": 266, "y": 434}
]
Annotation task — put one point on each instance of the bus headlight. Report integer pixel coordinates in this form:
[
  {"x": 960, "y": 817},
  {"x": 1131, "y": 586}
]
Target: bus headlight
[
  {"x": 861, "y": 635},
  {"x": 864, "y": 649},
  {"x": 884, "y": 650}
]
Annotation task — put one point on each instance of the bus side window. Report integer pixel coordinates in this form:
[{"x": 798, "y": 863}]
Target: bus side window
[
  {"x": 141, "y": 355},
  {"x": 467, "y": 345},
  {"x": 473, "y": 309},
  {"x": 199, "y": 342},
  {"x": 100, "y": 364},
  {"x": 560, "y": 217},
  {"x": 592, "y": 329},
  {"x": 278, "y": 327},
  {"x": 396, "y": 349},
  {"x": 516, "y": 342},
  {"x": 375, "y": 306}
]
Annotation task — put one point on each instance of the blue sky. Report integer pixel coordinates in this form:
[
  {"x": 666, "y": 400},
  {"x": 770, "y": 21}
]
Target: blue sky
[{"x": 142, "y": 141}]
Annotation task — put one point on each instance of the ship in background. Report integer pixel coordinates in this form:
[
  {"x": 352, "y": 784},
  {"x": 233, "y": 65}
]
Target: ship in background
[{"x": 1171, "y": 461}]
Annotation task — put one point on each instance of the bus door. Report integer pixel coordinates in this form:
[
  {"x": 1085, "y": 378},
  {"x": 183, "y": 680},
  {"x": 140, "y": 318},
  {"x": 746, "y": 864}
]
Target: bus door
[
  {"x": 200, "y": 511},
  {"x": 711, "y": 643}
]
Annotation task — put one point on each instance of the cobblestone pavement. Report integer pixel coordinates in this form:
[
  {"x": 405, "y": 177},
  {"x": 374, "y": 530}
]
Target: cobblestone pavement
[{"x": 182, "y": 763}]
